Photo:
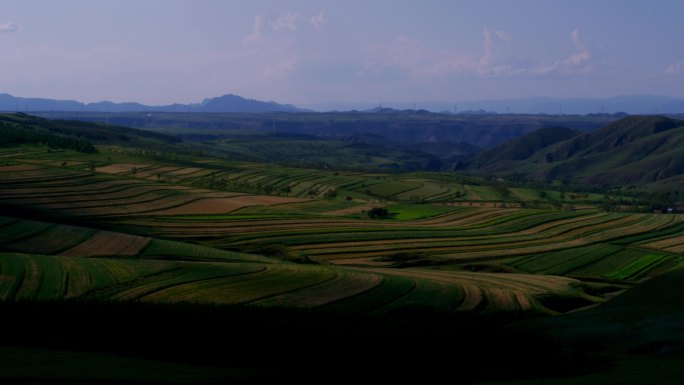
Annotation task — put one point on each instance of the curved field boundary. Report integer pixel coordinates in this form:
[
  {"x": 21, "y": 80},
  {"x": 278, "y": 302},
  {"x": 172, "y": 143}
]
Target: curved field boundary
[
  {"x": 128, "y": 195},
  {"x": 350, "y": 210},
  {"x": 74, "y": 185},
  {"x": 22, "y": 229},
  {"x": 45, "y": 277},
  {"x": 224, "y": 205},
  {"x": 121, "y": 168},
  {"x": 472, "y": 243},
  {"x": 18, "y": 167},
  {"x": 94, "y": 187},
  {"x": 163, "y": 249},
  {"x": 184, "y": 171},
  {"x": 578, "y": 237},
  {"x": 273, "y": 280},
  {"x": 564, "y": 261},
  {"x": 389, "y": 290},
  {"x": 492, "y": 292},
  {"x": 107, "y": 244},
  {"x": 187, "y": 275},
  {"x": 52, "y": 241},
  {"x": 428, "y": 293},
  {"x": 344, "y": 285},
  {"x": 31, "y": 177}
]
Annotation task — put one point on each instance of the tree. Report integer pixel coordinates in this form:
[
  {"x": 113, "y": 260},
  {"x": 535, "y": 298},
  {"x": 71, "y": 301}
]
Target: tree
[
  {"x": 330, "y": 194},
  {"x": 378, "y": 213}
]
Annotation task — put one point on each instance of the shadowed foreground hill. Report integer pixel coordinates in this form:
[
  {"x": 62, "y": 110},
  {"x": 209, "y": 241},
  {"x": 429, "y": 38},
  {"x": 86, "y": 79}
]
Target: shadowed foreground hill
[
  {"x": 633, "y": 150},
  {"x": 645, "y": 320}
]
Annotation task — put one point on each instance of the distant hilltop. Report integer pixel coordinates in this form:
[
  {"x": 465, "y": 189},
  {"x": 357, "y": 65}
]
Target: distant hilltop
[{"x": 225, "y": 103}]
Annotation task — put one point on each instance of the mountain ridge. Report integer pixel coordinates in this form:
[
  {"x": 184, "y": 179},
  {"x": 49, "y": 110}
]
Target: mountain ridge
[
  {"x": 225, "y": 103},
  {"x": 625, "y": 104}
]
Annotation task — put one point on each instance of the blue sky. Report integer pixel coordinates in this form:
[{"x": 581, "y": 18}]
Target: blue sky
[{"x": 307, "y": 52}]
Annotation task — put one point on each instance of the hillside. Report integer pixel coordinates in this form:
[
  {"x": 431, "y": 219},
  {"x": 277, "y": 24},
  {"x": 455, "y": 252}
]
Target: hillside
[
  {"x": 523, "y": 147},
  {"x": 635, "y": 150},
  {"x": 23, "y": 129},
  {"x": 406, "y": 127},
  {"x": 167, "y": 250}
]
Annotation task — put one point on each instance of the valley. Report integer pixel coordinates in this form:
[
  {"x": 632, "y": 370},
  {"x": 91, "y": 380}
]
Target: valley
[{"x": 153, "y": 224}]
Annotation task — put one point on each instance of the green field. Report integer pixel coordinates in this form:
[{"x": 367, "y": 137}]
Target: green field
[
  {"x": 132, "y": 227},
  {"x": 167, "y": 211}
]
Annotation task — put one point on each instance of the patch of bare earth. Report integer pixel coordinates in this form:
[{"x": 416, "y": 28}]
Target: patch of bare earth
[
  {"x": 226, "y": 205},
  {"x": 120, "y": 168},
  {"x": 105, "y": 243},
  {"x": 349, "y": 210}
]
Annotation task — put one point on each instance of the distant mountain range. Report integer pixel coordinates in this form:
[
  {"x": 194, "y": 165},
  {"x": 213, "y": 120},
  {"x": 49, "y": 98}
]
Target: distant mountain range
[
  {"x": 638, "y": 104},
  {"x": 225, "y": 103},
  {"x": 635, "y": 104}
]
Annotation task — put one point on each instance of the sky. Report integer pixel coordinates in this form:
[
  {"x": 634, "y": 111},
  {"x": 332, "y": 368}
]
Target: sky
[{"x": 349, "y": 51}]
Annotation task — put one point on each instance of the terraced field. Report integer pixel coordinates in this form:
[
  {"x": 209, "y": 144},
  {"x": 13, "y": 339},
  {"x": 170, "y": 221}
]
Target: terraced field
[
  {"x": 98, "y": 265},
  {"x": 293, "y": 182},
  {"x": 83, "y": 194},
  {"x": 157, "y": 232}
]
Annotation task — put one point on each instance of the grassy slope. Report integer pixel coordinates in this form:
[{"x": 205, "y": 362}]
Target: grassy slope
[
  {"x": 635, "y": 150},
  {"x": 404, "y": 290}
]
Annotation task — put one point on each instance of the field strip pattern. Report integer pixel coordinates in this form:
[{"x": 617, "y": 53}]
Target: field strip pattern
[{"x": 85, "y": 194}]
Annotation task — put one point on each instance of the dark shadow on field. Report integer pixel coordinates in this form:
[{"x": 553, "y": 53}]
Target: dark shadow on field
[{"x": 413, "y": 343}]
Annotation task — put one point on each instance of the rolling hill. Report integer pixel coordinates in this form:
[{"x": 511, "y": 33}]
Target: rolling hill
[
  {"x": 21, "y": 128},
  {"x": 635, "y": 150},
  {"x": 166, "y": 252},
  {"x": 523, "y": 147}
]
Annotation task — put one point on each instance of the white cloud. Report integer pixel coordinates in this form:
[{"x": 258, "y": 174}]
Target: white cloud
[
  {"x": 675, "y": 68},
  {"x": 255, "y": 36},
  {"x": 578, "y": 62},
  {"x": 492, "y": 40},
  {"x": 8, "y": 28},
  {"x": 276, "y": 46},
  {"x": 501, "y": 55},
  {"x": 292, "y": 21},
  {"x": 319, "y": 20},
  {"x": 288, "y": 21}
]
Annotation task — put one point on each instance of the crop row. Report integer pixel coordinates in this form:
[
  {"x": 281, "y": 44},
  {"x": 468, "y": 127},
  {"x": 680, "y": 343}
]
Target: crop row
[
  {"x": 83, "y": 195},
  {"x": 27, "y": 276}
]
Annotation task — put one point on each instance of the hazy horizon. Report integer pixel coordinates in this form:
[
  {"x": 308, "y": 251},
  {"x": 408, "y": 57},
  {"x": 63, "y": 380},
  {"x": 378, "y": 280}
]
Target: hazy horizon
[{"x": 314, "y": 52}]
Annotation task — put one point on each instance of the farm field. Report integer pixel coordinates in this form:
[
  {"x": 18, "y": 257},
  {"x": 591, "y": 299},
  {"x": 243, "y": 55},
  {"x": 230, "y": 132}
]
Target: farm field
[
  {"x": 482, "y": 258},
  {"x": 127, "y": 227}
]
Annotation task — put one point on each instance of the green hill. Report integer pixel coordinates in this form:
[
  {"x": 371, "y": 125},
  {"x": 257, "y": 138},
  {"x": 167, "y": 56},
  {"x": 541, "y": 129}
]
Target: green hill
[
  {"x": 523, "y": 147},
  {"x": 27, "y": 129},
  {"x": 167, "y": 251},
  {"x": 633, "y": 150}
]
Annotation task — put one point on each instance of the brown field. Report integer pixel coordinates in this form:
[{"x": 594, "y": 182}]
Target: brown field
[
  {"x": 184, "y": 171},
  {"x": 18, "y": 167},
  {"x": 349, "y": 210},
  {"x": 105, "y": 243},
  {"x": 154, "y": 172},
  {"x": 480, "y": 204},
  {"x": 120, "y": 168},
  {"x": 225, "y": 205}
]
